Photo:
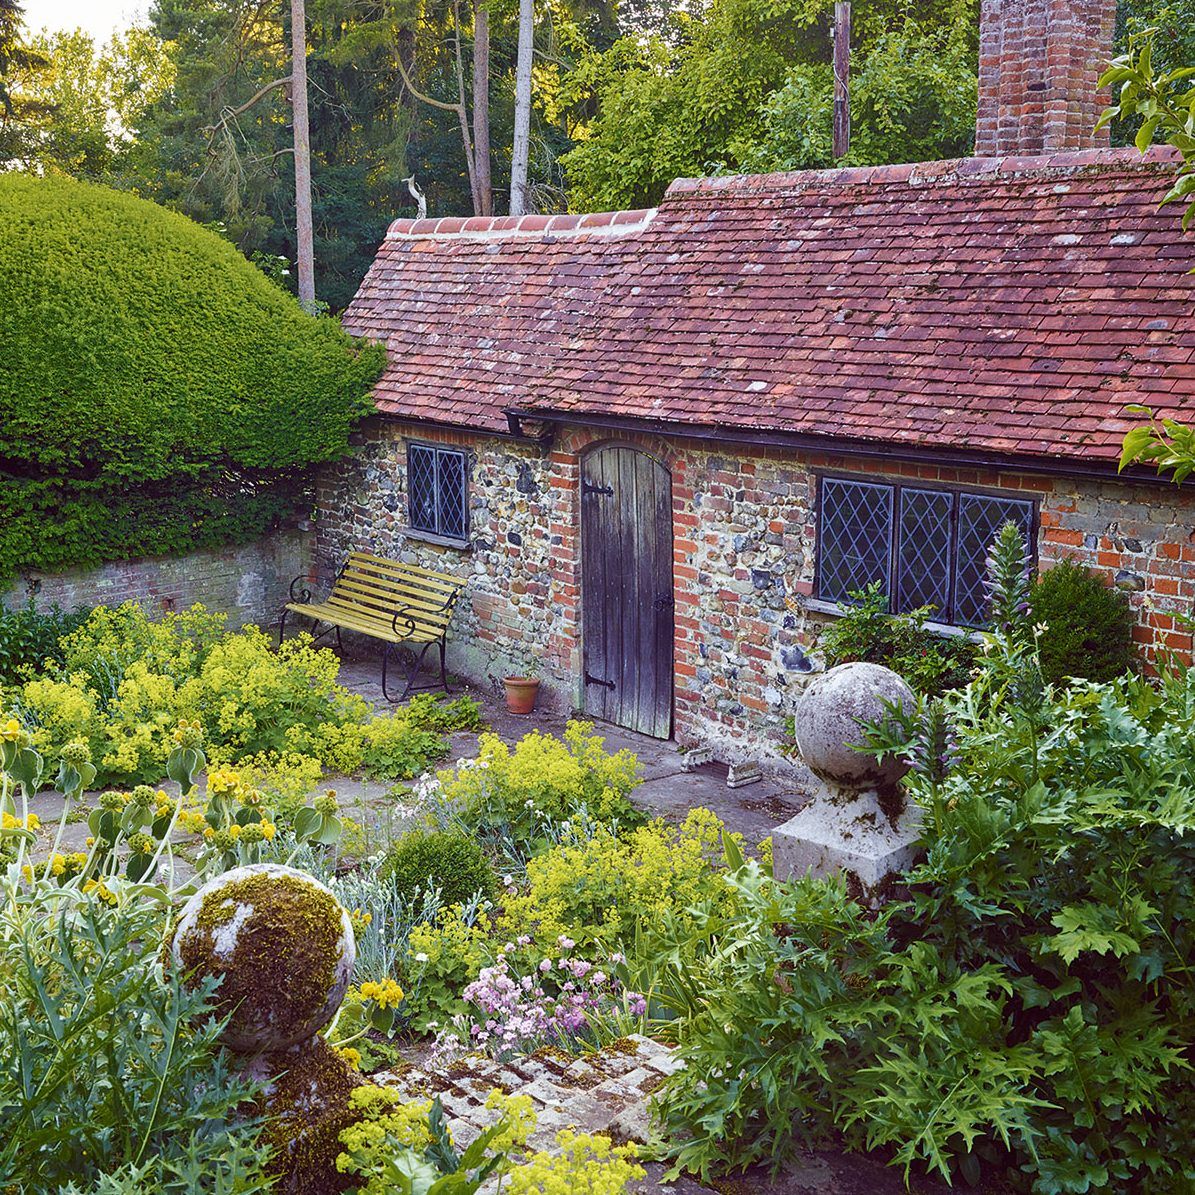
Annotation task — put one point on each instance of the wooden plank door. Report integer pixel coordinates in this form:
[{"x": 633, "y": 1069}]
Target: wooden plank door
[{"x": 626, "y": 589}]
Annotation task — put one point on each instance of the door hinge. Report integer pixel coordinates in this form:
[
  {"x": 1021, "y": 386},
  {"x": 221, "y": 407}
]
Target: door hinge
[
  {"x": 595, "y": 680},
  {"x": 587, "y": 487}
]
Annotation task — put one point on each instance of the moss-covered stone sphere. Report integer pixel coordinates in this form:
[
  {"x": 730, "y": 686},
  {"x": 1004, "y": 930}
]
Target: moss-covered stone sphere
[{"x": 282, "y": 947}]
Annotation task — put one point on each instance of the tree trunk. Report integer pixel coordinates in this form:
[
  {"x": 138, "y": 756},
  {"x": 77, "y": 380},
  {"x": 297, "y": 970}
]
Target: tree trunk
[
  {"x": 521, "y": 146},
  {"x": 481, "y": 106},
  {"x": 305, "y": 251}
]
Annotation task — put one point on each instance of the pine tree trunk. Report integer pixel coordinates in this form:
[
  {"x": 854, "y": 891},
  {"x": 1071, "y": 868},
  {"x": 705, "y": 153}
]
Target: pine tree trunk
[
  {"x": 305, "y": 250},
  {"x": 481, "y": 106},
  {"x": 521, "y": 146}
]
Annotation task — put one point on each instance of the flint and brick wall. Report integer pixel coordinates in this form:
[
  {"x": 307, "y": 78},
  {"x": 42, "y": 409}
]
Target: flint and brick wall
[
  {"x": 743, "y": 525},
  {"x": 249, "y": 582}
]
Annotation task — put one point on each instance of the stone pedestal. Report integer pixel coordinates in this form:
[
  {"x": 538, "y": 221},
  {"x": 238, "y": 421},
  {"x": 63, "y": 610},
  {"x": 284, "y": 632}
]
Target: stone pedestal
[
  {"x": 848, "y": 832},
  {"x": 849, "y": 826}
]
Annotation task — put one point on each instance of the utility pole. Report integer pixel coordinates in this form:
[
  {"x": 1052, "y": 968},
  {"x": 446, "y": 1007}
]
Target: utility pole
[
  {"x": 305, "y": 250},
  {"x": 842, "y": 78}
]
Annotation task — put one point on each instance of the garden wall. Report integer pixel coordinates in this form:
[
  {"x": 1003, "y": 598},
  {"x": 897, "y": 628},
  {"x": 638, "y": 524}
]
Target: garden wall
[
  {"x": 743, "y": 524},
  {"x": 249, "y": 582}
]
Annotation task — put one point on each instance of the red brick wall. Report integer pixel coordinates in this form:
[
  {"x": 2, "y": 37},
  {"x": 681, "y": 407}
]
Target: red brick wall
[
  {"x": 744, "y": 535},
  {"x": 1039, "y": 61}
]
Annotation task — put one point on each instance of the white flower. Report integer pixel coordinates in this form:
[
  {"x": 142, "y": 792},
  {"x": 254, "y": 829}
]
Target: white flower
[{"x": 421, "y": 958}]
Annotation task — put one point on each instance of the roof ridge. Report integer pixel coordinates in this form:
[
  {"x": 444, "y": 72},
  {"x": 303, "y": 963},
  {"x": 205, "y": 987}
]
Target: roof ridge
[
  {"x": 620, "y": 223},
  {"x": 950, "y": 170}
]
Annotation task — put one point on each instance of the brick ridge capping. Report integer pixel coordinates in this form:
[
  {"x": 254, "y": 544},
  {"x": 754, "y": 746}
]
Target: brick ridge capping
[
  {"x": 480, "y": 227},
  {"x": 951, "y": 171}
]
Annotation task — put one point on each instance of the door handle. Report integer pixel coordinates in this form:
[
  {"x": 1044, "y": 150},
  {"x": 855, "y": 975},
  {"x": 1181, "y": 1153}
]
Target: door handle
[{"x": 664, "y": 601}]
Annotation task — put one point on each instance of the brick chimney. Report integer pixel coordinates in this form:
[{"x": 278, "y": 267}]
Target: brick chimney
[{"x": 1038, "y": 65}]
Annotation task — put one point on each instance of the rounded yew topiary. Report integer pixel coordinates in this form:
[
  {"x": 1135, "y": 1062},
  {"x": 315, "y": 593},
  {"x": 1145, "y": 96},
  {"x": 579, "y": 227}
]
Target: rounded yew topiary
[
  {"x": 157, "y": 392},
  {"x": 1088, "y": 625},
  {"x": 444, "y": 859}
]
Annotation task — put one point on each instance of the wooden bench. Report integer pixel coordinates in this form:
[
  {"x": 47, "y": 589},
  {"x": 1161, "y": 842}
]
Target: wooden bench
[{"x": 400, "y": 604}]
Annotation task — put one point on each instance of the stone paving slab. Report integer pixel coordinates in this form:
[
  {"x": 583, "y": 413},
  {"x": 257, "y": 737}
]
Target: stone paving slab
[{"x": 605, "y": 1092}]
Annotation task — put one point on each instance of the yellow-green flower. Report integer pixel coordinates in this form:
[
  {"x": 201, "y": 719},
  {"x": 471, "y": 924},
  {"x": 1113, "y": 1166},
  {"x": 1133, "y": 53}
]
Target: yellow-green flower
[{"x": 386, "y": 994}]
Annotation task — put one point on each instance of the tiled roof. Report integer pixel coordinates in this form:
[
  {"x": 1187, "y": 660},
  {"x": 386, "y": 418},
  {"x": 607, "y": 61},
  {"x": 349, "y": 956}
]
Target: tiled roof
[{"x": 1009, "y": 306}]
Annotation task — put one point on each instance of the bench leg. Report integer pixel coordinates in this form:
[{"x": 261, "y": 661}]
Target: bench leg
[
  {"x": 413, "y": 671},
  {"x": 282, "y": 627}
]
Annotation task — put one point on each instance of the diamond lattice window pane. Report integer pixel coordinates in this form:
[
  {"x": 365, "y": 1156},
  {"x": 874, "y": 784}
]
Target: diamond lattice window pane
[
  {"x": 923, "y": 551},
  {"x": 854, "y": 537},
  {"x": 979, "y": 521},
  {"x": 451, "y": 489},
  {"x": 421, "y": 487}
]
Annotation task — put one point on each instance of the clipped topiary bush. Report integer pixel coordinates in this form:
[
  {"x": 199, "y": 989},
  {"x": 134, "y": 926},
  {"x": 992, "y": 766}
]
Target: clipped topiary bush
[
  {"x": 1089, "y": 625},
  {"x": 157, "y": 392},
  {"x": 444, "y": 859}
]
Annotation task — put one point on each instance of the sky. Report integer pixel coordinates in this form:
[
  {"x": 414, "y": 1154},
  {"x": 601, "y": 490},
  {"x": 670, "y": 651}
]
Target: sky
[{"x": 101, "y": 18}]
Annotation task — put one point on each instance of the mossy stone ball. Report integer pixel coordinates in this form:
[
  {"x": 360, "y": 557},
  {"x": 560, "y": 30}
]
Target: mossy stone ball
[
  {"x": 827, "y": 724},
  {"x": 280, "y": 943}
]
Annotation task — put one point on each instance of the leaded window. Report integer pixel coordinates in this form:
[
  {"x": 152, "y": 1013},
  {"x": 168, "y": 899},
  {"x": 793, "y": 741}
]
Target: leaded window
[
  {"x": 924, "y": 546},
  {"x": 437, "y": 491}
]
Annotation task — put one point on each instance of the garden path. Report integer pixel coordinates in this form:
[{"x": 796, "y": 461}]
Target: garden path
[{"x": 667, "y": 789}]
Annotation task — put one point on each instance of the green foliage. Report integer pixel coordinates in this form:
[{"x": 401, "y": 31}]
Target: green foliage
[
  {"x": 125, "y": 681},
  {"x": 513, "y": 799},
  {"x": 444, "y": 859},
  {"x": 1164, "y": 443},
  {"x": 159, "y": 394},
  {"x": 443, "y": 957},
  {"x": 109, "y": 1067},
  {"x": 1162, "y": 99},
  {"x": 1088, "y": 624},
  {"x": 1024, "y": 1009},
  {"x": 29, "y": 636},
  {"x": 913, "y": 98},
  {"x": 220, "y": 1162},
  {"x": 746, "y": 84},
  {"x": 602, "y": 889},
  {"x": 929, "y": 662}
]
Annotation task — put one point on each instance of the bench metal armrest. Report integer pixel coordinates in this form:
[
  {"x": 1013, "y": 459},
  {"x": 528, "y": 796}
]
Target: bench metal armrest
[
  {"x": 300, "y": 590},
  {"x": 403, "y": 614}
]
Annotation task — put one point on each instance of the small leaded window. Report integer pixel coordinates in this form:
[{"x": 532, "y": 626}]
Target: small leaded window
[
  {"x": 436, "y": 491},
  {"x": 924, "y": 546}
]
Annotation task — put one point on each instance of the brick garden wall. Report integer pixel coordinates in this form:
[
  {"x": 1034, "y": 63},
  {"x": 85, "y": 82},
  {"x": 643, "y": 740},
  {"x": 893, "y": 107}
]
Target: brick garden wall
[
  {"x": 743, "y": 561},
  {"x": 249, "y": 582}
]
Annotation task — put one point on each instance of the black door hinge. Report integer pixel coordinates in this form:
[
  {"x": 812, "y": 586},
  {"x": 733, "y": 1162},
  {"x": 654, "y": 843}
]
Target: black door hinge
[
  {"x": 587, "y": 487},
  {"x": 594, "y": 680}
]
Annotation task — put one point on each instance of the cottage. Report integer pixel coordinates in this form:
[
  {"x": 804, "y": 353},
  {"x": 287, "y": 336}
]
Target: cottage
[{"x": 664, "y": 444}]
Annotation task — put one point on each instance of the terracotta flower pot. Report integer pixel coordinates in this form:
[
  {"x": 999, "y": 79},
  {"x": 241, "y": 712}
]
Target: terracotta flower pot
[{"x": 521, "y": 692}]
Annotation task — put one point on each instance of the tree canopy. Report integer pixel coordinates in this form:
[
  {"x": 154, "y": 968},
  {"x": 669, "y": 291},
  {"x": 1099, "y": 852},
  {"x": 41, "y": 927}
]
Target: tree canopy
[{"x": 192, "y": 110}]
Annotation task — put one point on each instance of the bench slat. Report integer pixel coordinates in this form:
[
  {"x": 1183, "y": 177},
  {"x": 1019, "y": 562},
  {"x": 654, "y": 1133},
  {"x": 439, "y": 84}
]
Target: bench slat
[
  {"x": 380, "y": 614},
  {"x": 404, "y": 577},
  {"x": 375, "y": 628},
  {"x": 447, "y": 580},
  {"x": 366, "y": 591}
]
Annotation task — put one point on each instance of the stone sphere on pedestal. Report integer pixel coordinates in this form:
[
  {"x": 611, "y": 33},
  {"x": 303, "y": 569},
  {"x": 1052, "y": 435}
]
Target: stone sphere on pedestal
[
  {"x": 828, "y": 718},
  {"x": 282, "y": 946}
]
